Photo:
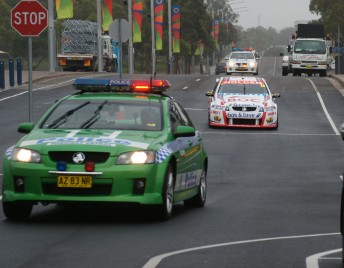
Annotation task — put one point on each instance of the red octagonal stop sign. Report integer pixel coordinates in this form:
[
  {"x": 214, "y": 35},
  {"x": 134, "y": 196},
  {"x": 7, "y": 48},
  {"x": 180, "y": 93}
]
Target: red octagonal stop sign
[{"x": 29, "y": 18}]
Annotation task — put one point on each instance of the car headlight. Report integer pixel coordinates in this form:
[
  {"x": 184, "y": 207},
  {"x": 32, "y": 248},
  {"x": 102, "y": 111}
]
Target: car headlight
[
  {"x": 231, "y": 64},
  {"x": 252, "y": 64},
  {"x": 26, "y": 155},
  {"x": 137, "y": 157}
]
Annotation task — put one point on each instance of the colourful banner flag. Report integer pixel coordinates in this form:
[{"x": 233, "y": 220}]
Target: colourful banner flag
[
  {"x": 64, "y": 9},
  {"x": 137, "y": 20},
  {"x": 216, "y": 32},
  {"x": 175, "y": 28},
  {"x": 107, "y": 14},
  {"x": 158, "y": 21}
]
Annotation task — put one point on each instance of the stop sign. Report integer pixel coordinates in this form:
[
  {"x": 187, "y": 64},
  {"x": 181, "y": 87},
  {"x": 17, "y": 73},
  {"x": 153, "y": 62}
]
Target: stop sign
[{"x": 29, "y": 18}]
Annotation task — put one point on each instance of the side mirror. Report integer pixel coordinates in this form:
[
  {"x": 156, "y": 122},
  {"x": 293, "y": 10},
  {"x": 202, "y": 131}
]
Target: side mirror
[
  {"x": 226, "y": 58},
  {"x": 25, "y": 128},
  {"x": 184, "y": 131},
  {"x": 276, "y": 95},
  {"x": 281, "y": 54},
  {"x": 342, "y": 131},
  {"x": 209, "y": 94}
]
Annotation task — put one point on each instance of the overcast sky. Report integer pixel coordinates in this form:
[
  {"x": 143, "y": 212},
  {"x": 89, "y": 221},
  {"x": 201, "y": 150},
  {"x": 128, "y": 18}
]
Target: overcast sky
[{"x": 278, "y": 14}]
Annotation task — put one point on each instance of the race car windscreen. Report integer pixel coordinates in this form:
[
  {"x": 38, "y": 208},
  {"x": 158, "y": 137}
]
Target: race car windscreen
[
  {"x": 242, "y": 87},
  {"x": 104, "y": 114}
]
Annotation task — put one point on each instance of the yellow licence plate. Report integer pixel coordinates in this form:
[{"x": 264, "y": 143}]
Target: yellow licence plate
[{"x": 74, "y": 181}]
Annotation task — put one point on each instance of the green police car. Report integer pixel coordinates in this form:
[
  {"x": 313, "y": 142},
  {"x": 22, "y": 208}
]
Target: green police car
[{"x": 113, "y": 141}]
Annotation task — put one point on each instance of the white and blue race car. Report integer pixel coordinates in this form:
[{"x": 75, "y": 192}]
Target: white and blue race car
[{"x": 242, "y": 102}]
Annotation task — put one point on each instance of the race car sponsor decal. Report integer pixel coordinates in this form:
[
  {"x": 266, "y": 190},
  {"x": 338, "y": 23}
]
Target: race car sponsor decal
[
  {"x": 106, "y": 140},
  {"x": 269, "y": 120},
  {"x": 215, "y": 112},
  {"x": 242, "y": 82},
  {"x": 242, "y": 98},
  {"x": 217, "y": 118},
  {"x": 244, "y": 115},
  {"x": 175, "y": 146},
  {"x": 271, "y": 113}
]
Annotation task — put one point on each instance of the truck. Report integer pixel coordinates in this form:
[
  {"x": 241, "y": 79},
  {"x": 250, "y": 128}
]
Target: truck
[
  {"x": 310, "y": 50},
  {"x": 79, "y": 47}
]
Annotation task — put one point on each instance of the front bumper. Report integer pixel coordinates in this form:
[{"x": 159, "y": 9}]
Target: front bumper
[{"x": 116, "y": 184}]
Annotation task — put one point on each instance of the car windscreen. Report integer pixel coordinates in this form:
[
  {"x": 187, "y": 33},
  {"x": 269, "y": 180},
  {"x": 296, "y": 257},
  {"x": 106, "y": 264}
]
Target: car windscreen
[
  {"x": 242, "y": 56},
  {"x": 242, "y": 88},
  {"x": 105, "y": 114}
]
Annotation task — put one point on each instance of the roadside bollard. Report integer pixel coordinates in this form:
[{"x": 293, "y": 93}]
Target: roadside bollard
[
  {"x": 19, "y": 72},
  {"x": 2, "y": 74},
  {"x": 11, "y": 72}
]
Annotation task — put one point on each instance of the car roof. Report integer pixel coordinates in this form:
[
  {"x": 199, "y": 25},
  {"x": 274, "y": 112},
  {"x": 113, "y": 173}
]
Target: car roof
[{"x": 240, "y": 79}]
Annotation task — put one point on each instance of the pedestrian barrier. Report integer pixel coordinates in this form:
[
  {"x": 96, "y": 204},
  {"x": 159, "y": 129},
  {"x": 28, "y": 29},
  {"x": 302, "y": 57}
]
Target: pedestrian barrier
[{"x": 11, "y": 73}]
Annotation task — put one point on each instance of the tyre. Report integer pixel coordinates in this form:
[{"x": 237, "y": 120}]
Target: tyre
[
  {"x": 284, "y": 72},
  {"x": 199, "y": 199},
  {"x": 165, "y": 209},
  {"x": 16, "y": 212},
  {"x": 294, "y": 73}
]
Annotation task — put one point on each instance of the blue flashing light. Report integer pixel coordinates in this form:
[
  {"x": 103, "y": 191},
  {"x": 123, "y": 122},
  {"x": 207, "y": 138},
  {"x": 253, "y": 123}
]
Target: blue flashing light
[{"x": 61, "y": 166}]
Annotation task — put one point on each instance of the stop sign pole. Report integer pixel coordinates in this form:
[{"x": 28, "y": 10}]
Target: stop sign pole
[{"x": 29, "y": 18}]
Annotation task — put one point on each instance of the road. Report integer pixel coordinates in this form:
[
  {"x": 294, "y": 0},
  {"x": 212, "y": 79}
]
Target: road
[{"x": 273, "y": 195}]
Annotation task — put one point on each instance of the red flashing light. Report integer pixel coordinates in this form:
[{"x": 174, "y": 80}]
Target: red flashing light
[
  {"x": 150, "y": 86},
  {"x": 89, "y": 166}
]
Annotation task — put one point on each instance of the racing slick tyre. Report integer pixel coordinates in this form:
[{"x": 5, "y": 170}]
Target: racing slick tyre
[
  {"x": 199, "y": 199},
  {"x": 284, "y": 72},
  {"x": 16, "y": 212},
  {"x": 165, "y": 209}
]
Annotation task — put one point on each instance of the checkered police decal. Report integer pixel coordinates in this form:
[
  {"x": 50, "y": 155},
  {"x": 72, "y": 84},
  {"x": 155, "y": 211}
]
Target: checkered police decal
[
  {"x": 9, "y": 152},
  {"x": 175, "y": 146}
]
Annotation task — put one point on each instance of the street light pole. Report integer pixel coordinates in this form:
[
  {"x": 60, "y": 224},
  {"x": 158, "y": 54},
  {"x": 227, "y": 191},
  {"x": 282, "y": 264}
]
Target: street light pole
[
  {"x": 51, "y": 34},
  {"x": 170, "y": 55},
  {"x": 153, "y": 37},
  {"x": 131, "y": 48},
  {"x": 100, "y": 39}
]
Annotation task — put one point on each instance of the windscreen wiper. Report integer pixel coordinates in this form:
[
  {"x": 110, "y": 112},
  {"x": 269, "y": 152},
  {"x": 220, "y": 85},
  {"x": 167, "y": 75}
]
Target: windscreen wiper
[
  {"x": 63, "y": 118},
  {"x": 94, "y": 118}
]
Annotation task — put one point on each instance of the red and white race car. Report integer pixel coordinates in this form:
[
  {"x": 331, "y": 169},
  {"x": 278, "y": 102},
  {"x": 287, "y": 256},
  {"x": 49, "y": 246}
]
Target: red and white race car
[{"x": 242, "y": 101}]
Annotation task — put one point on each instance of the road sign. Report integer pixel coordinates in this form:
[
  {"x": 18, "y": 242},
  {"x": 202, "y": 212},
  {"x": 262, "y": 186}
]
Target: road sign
[
  {"x": 29, "y": 18},
  {"x": 119, "y": 30}
]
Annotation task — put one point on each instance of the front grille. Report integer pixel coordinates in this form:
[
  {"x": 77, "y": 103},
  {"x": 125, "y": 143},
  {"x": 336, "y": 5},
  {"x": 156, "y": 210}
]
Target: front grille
[
  {"x": 309, "y": 62},
  {"x": 244, "y": 121},
  {"x": 96, "y": 157},
  {"x": 97, "y": 189},
  {"x": 248, "y": 109}
]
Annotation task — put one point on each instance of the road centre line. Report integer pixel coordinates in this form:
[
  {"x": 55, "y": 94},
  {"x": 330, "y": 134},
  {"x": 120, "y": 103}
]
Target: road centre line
[
  {"x": 324, "y": 107},
  {"x": 312, "y": 261},
  {"x": 154, "y": 262}
]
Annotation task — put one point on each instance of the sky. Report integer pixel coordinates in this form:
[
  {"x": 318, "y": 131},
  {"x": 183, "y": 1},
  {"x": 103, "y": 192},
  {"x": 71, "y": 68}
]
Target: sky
[{"x": 278, "y": 14}]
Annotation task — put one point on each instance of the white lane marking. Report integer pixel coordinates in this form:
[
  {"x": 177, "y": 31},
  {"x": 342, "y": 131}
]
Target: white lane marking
[
  {"x": 266, "y": 133},
  {"x": 153, "y": 262},
  {"x": 312, "y": 261},
  {"x": 341, "y": 177},
  {"x": 197, "y": 80},
  {"x": 274, "y": 70},
  {"x": 194, "y": 109},
  {"x": 47, "y": 87},
  {"x": 185, "y": 88},
  {"x": 324, "y": 107}
]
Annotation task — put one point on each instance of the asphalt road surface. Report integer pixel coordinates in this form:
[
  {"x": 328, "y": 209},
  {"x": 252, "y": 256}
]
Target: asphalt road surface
[{"x": 273, "y": 195}]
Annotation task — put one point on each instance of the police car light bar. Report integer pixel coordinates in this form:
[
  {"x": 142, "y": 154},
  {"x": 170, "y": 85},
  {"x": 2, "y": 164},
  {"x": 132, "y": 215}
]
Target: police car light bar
[{"x": 109, "y": 85}]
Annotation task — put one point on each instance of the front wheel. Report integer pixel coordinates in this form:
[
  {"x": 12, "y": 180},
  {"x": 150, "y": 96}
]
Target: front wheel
[
  {"x": 199, "y": 199},
  {"x": 165, "y": 209},
  {"x": 16, "y": 212}
]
